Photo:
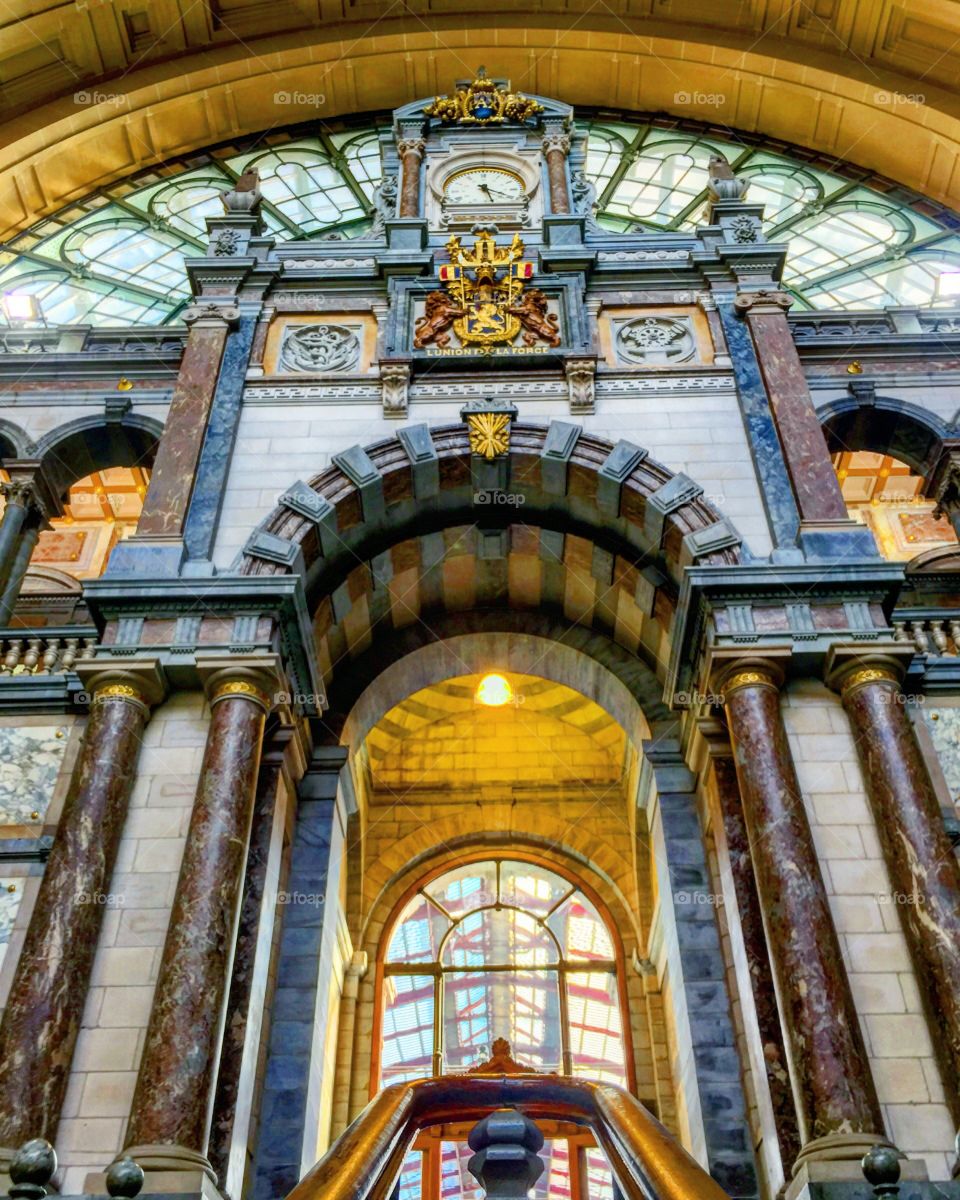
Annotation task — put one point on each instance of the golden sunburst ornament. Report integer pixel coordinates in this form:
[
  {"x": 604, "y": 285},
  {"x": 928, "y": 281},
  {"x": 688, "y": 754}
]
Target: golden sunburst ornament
[{"x": 489, "y": 434}]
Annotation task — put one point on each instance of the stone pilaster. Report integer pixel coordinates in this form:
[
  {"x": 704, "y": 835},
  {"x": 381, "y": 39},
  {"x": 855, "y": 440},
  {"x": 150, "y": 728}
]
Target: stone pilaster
[
  {"x": 839, "y": 1114},
  {"x": 49, "y": 989},
  {"x": 924, "y": 871},
  {"x": 169, "y": 1123}
]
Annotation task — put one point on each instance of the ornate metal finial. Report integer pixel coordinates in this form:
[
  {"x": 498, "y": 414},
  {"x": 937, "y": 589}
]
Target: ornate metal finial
[
  {"x": 244, "y": 196},
  {"x": 482, "y": 102},
  {"x": 505, "y": 1162},
  {"x": 881, "y": 1169},
  {"x": 125, "y": 1178},
  {"x": 31, "y": 1169}
]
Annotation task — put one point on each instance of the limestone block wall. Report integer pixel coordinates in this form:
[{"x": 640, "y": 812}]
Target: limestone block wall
[
  {"x": 136, "y": 914},
  {"x": 698, "y": 432},
  {"x": 866, "y": 914}
]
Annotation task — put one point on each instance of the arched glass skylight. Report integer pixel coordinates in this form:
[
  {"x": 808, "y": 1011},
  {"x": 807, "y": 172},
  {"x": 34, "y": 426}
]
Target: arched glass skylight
[{"x": 117, "y": 257}]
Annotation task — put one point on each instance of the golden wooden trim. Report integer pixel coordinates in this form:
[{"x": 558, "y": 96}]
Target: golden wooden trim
[
  {"x": 868, "y": 675},
  {"x": 241, "y": 688}
]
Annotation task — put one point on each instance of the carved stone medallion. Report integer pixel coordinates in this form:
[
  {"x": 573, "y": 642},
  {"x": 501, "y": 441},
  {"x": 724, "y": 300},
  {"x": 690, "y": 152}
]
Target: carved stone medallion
[{"x": 315, "y": 348}]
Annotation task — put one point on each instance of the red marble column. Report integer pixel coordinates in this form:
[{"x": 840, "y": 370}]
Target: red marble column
[
  {"x": 556, "y": 146},
  {"x": 411, "y": 155},
  {"x": 42, "y": 1017},
  {"x": 758, "y": 960},
  {"x": 168, "y": 494},
  {"x": 814, "y": 480},
  {"x": 924, "y": 872},
  {"x": 839, "y": 1115},
  {"x": 170, "y": 1114}
]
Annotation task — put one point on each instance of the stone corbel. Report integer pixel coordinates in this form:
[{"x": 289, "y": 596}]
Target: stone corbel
[
  {"x": 581, "y": 376},
  {"x": 208, "y": 314},
  {"x": 395, "y": 388},
  {"x": 943, "y": 484},
  {"x": 762, "y": 301}
]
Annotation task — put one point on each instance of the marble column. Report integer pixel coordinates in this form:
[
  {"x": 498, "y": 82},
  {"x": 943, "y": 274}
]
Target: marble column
[
  {"x": 29, "y": 535},
  {"x": 924, "y": 872},
  {"x": 411, "y": 155},
  {"x": 18, "y": 497},
  {"x": 811, "y": 472},
  {"x": 42, "y": 1017},
  {"x": 170, "y": 1115},
  {"x": 943, "y": 485},
  {"x": 837, "y": 1108},
  {"x": 556, "y": 146},
  {"x": 171, "y": 481},
  {"x": 758, "y": 960}
]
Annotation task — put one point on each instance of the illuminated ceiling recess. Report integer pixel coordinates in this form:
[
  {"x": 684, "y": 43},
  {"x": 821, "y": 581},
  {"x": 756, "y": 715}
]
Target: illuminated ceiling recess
[{"x": 117, "y": 257}]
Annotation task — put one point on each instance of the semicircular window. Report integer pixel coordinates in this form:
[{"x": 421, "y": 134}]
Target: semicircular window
[
  {"x": 501, "y": 949},
  {"x": 116, "y": 257}
]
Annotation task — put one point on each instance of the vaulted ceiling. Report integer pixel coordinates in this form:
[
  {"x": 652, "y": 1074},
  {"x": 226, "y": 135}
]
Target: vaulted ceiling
[{"x": 96, "y": 89}]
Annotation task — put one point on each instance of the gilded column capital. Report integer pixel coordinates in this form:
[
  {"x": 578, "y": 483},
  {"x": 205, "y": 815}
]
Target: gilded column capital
[
  {"x": 253, "y": 677},
  {"x": 742, "y": 672},
  {"x": 851, "y": 667},
  {"x": 139, "y": 682}
]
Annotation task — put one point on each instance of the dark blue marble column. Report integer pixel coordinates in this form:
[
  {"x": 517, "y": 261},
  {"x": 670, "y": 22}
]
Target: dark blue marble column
[
  {"x": 717, "y": 1065},
  {"x": 288, "y": 1114}
]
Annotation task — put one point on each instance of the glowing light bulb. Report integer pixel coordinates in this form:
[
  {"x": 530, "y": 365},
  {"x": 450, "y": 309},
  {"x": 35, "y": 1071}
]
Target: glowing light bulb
[{"x": 494, "y": 691}]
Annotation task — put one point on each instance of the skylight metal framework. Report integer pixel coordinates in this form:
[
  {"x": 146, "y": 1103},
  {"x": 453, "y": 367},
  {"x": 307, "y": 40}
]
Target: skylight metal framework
[{"x": 117, "y": 257}]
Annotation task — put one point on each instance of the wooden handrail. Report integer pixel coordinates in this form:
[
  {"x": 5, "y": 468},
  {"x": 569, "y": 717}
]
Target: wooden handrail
[{"x": 646, "y": 1161}]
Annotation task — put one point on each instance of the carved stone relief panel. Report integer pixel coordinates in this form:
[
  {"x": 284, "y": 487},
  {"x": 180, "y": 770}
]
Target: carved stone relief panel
[
  {"x": 654, "y": 337},
  {"x": 320, "y": 344}
]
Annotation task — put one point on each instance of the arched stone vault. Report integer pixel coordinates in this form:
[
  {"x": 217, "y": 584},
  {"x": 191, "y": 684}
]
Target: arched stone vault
[
  {"x": 390, "y": 540},
  {"x": 825, "y": 83}
]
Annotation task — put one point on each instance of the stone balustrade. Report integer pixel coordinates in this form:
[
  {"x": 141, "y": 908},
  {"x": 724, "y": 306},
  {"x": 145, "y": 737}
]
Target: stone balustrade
[
  {"x": 49, "y": 653},
  {"x": 935, "y": 636}
]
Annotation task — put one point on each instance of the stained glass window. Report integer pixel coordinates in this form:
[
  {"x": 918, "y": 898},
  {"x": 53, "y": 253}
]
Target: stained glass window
[
  {"x": 116, "y": 257},
  {"x": 501, "y": 949}
]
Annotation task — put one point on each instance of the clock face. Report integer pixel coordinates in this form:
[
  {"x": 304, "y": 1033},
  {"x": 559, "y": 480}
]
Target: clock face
[{"x": 483, "y": 185}]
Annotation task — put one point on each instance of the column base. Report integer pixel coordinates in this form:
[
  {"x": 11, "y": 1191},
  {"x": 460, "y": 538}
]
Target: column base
[
  {"x": 168, "y": 1170},
  {"x": 836, "y": 1158}
]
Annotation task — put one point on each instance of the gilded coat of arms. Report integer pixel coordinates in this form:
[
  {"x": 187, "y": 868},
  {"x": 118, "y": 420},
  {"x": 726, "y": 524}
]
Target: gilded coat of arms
[
  {"x": 482, "y": 102},
  {"x": 486, "y": 300}
]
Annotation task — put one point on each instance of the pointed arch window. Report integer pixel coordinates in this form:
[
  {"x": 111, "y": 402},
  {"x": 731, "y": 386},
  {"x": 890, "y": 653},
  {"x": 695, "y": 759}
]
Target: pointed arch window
[{"x": 501, "y": 948}]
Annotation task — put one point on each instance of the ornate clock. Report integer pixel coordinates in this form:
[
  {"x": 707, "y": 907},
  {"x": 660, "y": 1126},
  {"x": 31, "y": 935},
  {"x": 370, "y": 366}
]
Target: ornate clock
[{"x": 483, "y": 185}]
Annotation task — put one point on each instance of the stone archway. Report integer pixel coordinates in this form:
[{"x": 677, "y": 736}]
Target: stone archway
[{"x": 390, "y": 538}]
